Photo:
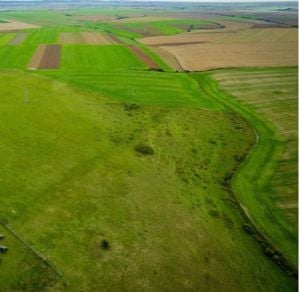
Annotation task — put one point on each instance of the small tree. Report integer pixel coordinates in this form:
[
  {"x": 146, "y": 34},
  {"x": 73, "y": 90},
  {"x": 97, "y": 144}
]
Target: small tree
[{"x": 104, "y": 244}]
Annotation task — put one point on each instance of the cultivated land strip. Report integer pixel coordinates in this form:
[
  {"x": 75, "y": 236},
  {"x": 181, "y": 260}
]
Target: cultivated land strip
[
  {"x": 143, "y": 57},
  {"x": 12, "y": 25},
  {"x": 19, "y": 38},
  {"x": 89, "y": 38},
  {"x": 251, "y": 184},
  {"x": 37, "y": 57},
  {"x": 51, "y": 57}
]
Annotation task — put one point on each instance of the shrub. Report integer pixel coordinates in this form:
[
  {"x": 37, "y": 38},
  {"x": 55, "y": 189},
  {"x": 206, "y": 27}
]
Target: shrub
[
  {"x": 248, "y": 229},
  {"x": 104, "y": 244},
  {"x": 131, "y": 106},
  {"x": 144, "y": 149}
]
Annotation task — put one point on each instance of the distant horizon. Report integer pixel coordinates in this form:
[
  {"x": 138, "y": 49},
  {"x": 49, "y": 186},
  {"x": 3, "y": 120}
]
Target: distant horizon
[{"x": 200, "y": 1}]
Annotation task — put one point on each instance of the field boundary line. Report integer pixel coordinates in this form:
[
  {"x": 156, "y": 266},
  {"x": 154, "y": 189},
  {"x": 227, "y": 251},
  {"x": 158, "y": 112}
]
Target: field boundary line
[
  {"x": 255, "y": 231},
  {"x": 33, "y": 250}
]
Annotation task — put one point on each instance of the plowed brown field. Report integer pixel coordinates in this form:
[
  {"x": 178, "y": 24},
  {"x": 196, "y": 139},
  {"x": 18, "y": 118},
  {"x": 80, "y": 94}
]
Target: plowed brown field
[
  {"x": 244, "y": 48},
  {"x": 51, "y": 57},
  {"x": 46, "y": 57}
]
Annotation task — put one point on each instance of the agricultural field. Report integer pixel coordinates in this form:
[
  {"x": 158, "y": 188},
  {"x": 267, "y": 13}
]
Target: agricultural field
[
  {"x": 253, "y": 46},
  {"x": 122, "y": 171},
  {"x": 89, "y": 38},
  {"x": 267, "y": 98}
]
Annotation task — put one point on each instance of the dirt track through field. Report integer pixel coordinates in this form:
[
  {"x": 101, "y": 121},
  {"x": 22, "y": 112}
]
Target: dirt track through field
[
  {"x": 18, "y": 39},
  {"x": 113, "y": 39},
  {"x": 142, "y": 56}
]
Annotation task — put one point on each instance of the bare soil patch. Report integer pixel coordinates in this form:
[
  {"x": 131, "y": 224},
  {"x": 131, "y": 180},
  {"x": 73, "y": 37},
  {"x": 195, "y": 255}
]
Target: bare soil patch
[
  {"x": 70, "y": 38},
  {"x": 179, "y": 39},
  {"x": 142, "y": 56},
  {"x": 15, "y": 26},
  {"x": 94, "y": 38},
  {"x": 36, "y": 58},
  {"x": 243, "y": 48},
  {"x": 113, "y": 39},
  {"x": 45, "y": 57},
  {"x": 19, "y": 38},
  {"x": 51, "y": 57},
  {"x": 168, "y": 58},
  {"x": 226, "y": 55}
]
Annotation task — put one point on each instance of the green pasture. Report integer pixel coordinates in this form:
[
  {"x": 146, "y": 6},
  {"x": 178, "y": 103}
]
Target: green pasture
[
  {"x": 6, "y": 38},
  {"x": 139, "y": 29},
  {"x": 139, "y": 86},
  {"x": 71, "y": 177},
  {"x": 105, "y": 149},
  {"x": 99, "y": 58}
]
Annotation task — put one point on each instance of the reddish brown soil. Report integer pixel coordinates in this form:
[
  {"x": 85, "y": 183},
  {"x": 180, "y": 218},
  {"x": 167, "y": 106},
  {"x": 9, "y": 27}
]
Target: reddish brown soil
[
  {"x": 113, "y": 39},
  {"x": 51, "y": 57},
  {"x": 142, "y": 56}
]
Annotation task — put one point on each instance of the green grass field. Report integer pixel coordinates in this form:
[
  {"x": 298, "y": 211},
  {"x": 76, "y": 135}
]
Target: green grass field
[
  {"x": 268, "y": 99},
  {"x": 139, "y": 29},
  {"x": 167, "y": 217},
  {"x": 99, "y": 58},
  {"x": 5, "y": 38},
  {"x": 142, "y": 87},
  {"x": 152, "y": 162}
]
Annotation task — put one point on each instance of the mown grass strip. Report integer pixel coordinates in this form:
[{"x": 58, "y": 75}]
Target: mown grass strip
[{"x": 250, "y": 182}]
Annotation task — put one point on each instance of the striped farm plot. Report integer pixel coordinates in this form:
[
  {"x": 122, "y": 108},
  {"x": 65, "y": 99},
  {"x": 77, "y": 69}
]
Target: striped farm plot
[
  {"x": 18, "y": 38},
  {"x": 12, "y": 25},
  {"x": 89, "y": 38},
  {"x": 97, "y": 57},
  {"x": 272, "y": 93},
  {"x": 45, "y": 57},
  {"x": 249, "y": 47},
  {"x": 5, "y": 38}
]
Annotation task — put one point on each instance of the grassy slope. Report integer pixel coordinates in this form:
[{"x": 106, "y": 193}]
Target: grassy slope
[
  {"x": 82, "y": 165},
  {"x": 167, "y": 89},
  {"x": 167, "y": 217},
  {"x": 252, "y": 185},
  {"x": 138, "y": 29}
]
